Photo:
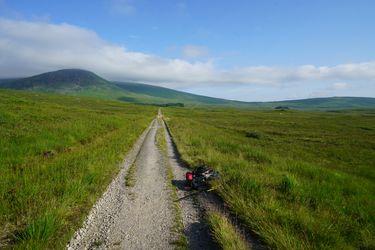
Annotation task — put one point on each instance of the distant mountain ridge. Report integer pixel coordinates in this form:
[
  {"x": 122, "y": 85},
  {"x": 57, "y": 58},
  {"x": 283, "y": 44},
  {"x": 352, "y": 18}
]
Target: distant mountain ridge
[
  {"x": 171, "y": 94},
  {"x": 336, "y": 102},
  {"x": 57, "y": 79},
  {"x": 85, "y": 83}
]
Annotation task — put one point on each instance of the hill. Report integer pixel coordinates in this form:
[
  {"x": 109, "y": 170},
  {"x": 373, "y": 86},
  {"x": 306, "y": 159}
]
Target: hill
[
  {"x": 85, "y": 83},
  {"x": 57, "y": 80},
  {"x": 161, "y": 94},
  {"x": 326, "y": 103}
]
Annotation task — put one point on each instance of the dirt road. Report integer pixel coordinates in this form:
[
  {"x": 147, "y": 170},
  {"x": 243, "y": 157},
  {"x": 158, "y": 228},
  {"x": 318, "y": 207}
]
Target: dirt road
[
  {"x": 141, "y": 216},
  {"x": 136, "y": 217}
]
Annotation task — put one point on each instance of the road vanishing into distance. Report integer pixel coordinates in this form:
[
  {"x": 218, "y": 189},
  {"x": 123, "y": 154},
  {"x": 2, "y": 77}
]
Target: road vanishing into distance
[{"x": 142, "y": 216}]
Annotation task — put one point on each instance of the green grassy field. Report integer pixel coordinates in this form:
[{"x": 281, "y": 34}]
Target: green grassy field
[
  {"x": 57, "y": 155},
  {"x": 300, "y": 180}
]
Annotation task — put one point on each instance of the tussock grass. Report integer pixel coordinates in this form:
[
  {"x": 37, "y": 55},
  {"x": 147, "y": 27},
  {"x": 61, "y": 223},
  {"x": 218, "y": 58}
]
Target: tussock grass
[
  {"x": 57, "y": 155},
  {"x": 307, "y": 183},
  {"x": 224, "y": 232},
  {"x": 178, "y": 228},
  {"x": 130, "y": 177}
]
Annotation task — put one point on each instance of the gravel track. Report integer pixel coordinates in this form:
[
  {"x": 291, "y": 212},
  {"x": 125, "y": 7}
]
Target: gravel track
[
  {"x": 141, "y": 217},
  {"x": 138, "y": 217}
]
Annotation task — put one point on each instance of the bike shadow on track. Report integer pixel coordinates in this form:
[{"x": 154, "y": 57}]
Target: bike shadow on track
[{"x": 179, "y": 184}]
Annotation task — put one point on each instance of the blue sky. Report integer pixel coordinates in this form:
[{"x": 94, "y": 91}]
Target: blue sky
[{"x": 247, "y": 50}]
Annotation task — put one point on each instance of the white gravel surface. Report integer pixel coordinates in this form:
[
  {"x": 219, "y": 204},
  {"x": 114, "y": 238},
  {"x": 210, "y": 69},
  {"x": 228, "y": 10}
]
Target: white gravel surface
[{"x": 138, "y": 217}]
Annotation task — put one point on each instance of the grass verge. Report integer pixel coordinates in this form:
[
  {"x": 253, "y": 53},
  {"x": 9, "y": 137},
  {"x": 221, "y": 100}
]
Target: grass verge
[
  {"x": 224, "y": 232},
  {"x": 178, "y": 228},
  {"x": 130, "y": 177}
]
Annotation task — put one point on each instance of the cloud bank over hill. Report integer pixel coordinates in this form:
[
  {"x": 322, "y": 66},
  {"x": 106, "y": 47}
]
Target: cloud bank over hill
[{"x": 31, "y": 47}]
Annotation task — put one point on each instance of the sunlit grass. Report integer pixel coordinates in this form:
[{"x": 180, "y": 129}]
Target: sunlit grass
[
  {"x": 57, "y": 155},
  {"x": 224, "y": 232},
  {"x": 299, "y": 179}
]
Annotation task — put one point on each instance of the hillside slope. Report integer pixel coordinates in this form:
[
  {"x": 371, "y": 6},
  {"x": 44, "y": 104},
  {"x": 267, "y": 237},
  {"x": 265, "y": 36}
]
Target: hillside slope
[
  {"x": 85, "y": 83},
  {"x": 171, "y": 95},
  {"x": 327, "y": 103},
  {"x": 57, "y": 80}
]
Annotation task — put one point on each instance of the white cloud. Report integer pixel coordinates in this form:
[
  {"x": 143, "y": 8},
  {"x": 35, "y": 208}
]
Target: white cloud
[
  {"x": 28, "y": 48},
  {"x": 193, "y": 51},
  {"x": 333, "y": 89},
  {"x": 340, "y": 85}
]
